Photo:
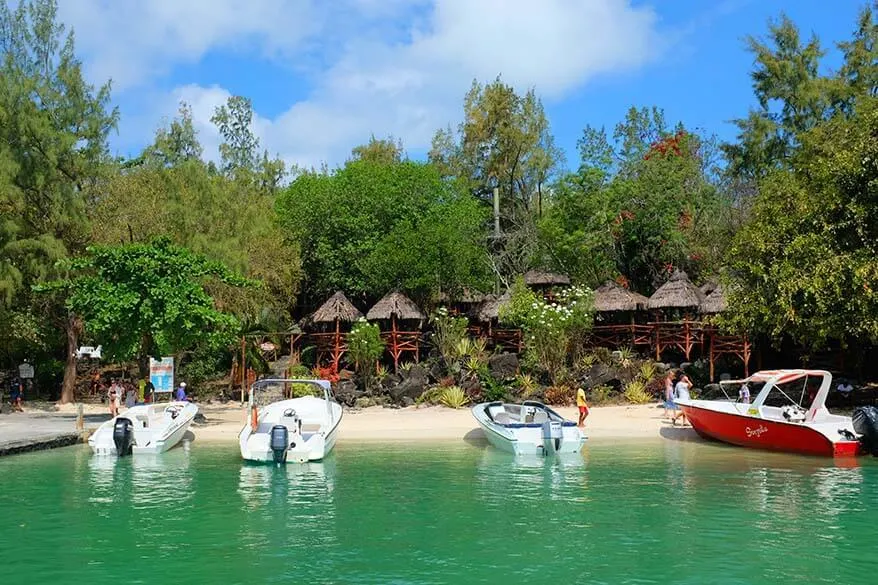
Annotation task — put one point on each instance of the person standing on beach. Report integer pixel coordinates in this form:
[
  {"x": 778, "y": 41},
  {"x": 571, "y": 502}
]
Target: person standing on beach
[
  {"x": 670, "y": 407},
  {"x": 141, "y": 390},
  {"x": 112, "y": 399},
  {"x": 15, "y": 392},
  {"x": 180, "y": 395},
  {"x": 681, "y": 392},
  {"x": 744, "y": 393},
  {"x": 583, "y": 407}
]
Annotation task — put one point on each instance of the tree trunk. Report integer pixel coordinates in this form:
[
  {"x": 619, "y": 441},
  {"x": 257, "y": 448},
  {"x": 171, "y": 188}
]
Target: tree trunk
[
  {"x": 143, "y": 358},
  {"x": 72, "y": 327}
]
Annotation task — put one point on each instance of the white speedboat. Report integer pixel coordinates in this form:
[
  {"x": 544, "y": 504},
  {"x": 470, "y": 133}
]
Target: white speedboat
[
  {"x": 298, "y": 429},
  {"x": 147, "y": 428},
  {"x": 530, "y": 428}
]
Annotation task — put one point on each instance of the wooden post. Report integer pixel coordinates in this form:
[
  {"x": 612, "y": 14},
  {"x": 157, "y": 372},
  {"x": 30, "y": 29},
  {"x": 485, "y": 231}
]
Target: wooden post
[
  {"x": 243, "y": 366},
  {"x": 712, "y": 377},
  {"x": 336, "y": 351},
  {"x": 746, "y": 357},
  {"x": 658, "y": 342},
  {"x": 394, "y": 350}
]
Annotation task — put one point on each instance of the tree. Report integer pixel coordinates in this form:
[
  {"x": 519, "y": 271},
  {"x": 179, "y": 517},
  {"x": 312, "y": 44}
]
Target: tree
[
  {"x": 370, "y": 227},
  {"x": 227, "y": 220},
  {"x": 805, "y": 264},
  {"x": 147, "y": 300},
  {"x": 54, "y": 129},
  {"x": 637, "y": 206},
  {"x": 239, "y": 151},
  {"x": 176, "y": 144},
  {"x": 386, "y": 150}
]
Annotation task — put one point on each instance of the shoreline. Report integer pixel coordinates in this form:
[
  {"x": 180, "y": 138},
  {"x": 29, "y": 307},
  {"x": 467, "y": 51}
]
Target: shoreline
[{"x": 377, "y": 424}]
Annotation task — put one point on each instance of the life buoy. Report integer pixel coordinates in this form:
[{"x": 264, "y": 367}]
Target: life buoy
[{"x": 254, "y": 419}]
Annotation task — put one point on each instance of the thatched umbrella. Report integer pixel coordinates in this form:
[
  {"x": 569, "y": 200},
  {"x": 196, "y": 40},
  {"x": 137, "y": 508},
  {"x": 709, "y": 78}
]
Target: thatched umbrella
[
  {"x": 708, "y": 287},
  {"x": 489, "y": 308},
  {"x": 715, "y": 302},
  {"x": 677, "y": 293},
  {"x": 336, "y": 309},
  {"x": 396, "y": 306},
  {"x": 610, "y": 297},
  {"x": 543, "y": 278}
]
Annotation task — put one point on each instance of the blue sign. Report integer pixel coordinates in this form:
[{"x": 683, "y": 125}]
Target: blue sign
[{"x": 161, "y": 374}]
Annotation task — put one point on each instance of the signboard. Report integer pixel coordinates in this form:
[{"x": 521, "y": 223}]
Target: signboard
[
  {"x": 161, "y": 374},
  {"x": 25, "y": 371}
]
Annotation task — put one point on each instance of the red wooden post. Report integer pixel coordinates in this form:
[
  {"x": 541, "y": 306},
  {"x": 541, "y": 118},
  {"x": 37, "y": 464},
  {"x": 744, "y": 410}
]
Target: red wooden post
[
  {"x": 746, "y": 357},
  {"x": 393, "y": 343},
  {"x": 711, "y": 357},
  {"x": 336, "y": 351}
]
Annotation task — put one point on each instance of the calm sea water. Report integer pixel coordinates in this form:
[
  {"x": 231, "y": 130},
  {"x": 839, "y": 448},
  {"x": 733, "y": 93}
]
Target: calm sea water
[{"x": 657, "y": 512}]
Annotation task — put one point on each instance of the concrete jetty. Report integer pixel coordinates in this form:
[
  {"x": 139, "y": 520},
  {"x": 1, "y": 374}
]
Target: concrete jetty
[{"x": 31, "y": 431}]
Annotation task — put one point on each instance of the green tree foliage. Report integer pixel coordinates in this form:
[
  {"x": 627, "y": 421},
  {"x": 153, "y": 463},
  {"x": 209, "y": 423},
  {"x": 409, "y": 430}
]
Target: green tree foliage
[
  {"x": 504, "y": 142},
  {"x": 53, "y": 131},
  {"x": 807, "y": 262},
  {"x": 144, "y": 300},
  {"x": 171, "y": 192},
  {"x": 638, "y": 206},
  {"x": 387, "y": 150},
  {"x": 370, "y": 227},
  {"x": 365, "y": 346}
]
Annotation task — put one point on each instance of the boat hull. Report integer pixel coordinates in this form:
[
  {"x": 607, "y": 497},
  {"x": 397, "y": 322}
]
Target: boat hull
[
  {"x": 147, "y": 441},
  {"x": 255, "y": 446},
  {"x": 526, "y": 439},
  {"x": 760, "y": 433}
]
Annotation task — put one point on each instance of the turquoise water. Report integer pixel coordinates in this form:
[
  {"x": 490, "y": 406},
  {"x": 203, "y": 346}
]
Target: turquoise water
[{"x": 657, "y": 512}]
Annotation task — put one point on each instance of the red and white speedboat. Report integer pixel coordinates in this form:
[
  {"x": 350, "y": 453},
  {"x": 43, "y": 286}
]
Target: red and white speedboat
[{"x": 788, "y": 413}]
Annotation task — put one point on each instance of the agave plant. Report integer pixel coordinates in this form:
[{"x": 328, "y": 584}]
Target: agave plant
[
  {"x": 648, "y": 371},
  {"x": 635, "y": 393},
  {"x": 453, "y": 397},
  {"x": 430, "y": 396},
  {"x": 625, "y": 356},
  {"x": 527, "y": 385},
  {"x": 464, "y": 347}
]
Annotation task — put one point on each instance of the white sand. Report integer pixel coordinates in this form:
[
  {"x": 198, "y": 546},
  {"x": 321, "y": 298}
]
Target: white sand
[{"x": 429, "y": 423}]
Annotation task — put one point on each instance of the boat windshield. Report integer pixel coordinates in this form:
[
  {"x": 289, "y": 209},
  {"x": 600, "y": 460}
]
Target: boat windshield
[
  {"x": 798, "y": 392},
  {"x": 267, "y": 391}
]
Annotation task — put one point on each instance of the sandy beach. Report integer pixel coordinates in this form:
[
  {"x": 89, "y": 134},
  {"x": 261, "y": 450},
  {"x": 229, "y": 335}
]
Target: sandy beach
[
  {"x": 436, "y": 423},
  {"x": 222, "y": 423}
]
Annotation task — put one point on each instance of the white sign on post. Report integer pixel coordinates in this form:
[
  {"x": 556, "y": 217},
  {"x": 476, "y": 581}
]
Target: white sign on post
[{"x": 25, "y": 371}]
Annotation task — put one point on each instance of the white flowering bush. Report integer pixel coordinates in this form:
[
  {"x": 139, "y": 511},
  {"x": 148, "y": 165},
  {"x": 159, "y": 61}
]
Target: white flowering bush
[
  {"x": 448, "y": 332},
  {"x": 550, "y": 328}
]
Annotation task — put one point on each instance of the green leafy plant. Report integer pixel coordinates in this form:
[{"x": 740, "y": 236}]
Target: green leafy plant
[
  {"x": 527, "y": 385},
  {"x": 453, "y": 397},
  {"x": 493, "y": 389},
  {"x": 586, "y": 361},
  {"x": 448, "y": 331},
  {"x": 380, "y": 371},
  {"x": 648, "y": 371},
  {"x": 430, "y": 395},
  {"x": 365, "y": 346},
  {"x": 600, "y": 394},
  {"x": 624, "y": 357},
  {"x": 635, "y": 393},
  {"x": 550, "y": 329}
]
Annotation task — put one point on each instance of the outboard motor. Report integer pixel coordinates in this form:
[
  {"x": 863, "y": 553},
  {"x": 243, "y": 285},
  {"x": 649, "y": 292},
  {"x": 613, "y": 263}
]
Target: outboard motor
[
  {"x": 123, "y": 436},
  {"x": 279, "y": 442},
  {"x": 553, "y": 432},
  {"x": 865, "y": 420}
]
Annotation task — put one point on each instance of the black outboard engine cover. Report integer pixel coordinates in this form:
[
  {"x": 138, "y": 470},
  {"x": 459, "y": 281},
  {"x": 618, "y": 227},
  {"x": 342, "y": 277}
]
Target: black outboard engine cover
[
  {"x": 279, "y": 442},
  {"x": 865, "y": 421},
  {"x": 123, "y": 436}
]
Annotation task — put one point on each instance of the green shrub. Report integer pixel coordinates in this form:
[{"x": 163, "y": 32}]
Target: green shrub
[
  {"x": 431, "y": 395},
  {"x": 527, "y": 385},
  {"x": 493, "y": 389},
  {"x": 448, "y": 331},
  {"x": 365, "y": 346},
  {"x": 453, "y": 397},
  {"x": 648, "y": 370},
  {"x": 635, "y": 393},
  {"x": 600, "y": 394}
]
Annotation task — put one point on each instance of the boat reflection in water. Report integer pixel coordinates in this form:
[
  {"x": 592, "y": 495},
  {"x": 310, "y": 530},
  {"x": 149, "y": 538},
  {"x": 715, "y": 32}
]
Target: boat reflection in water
[
  {"x": 523, "y": 477},
  {"x": 294, "y": 500}
]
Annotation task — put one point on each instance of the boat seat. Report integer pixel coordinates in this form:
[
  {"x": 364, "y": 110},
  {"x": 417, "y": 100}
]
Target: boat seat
[
  {"x": 540, "y": 417},
  {"x": 501, "y": 418}
]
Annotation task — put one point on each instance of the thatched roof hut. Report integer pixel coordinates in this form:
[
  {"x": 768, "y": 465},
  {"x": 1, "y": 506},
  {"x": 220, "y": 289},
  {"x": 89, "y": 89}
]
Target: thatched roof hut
[
  {"x": 611, "y": 297},
  {"x": 489, "y": 309},
  {"x": 336, "y": 308},
  {"x": 677, "y": 293},
  {"x": 715, "y": 302},
  {"x": 465, "y": 297},
  {"x": 396, "y": 305},
  {"x": 708, "y": 287},
  {"x": 545, "y": 278}
]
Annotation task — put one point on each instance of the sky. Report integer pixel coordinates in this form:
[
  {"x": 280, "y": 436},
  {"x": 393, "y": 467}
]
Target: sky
[{"x": 325, "y": 75}]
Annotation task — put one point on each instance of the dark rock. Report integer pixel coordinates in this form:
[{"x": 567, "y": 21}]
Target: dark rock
[
  {"x": 364, "y": 402},
  {"x": 346, "y": 375},
  {"x": 411, "y": 387},
  {"x": 503, "y": 365},
  {"x": 438, "y": 371},
  {"x": 599, "y": 375},
  {"x": 685, "y": 366},
  {"x": 389, "y": 381},
  {"x": 199, "y": 418},
  {"x": 346, "y": 392},
  {"x": 416, "y": 372},
  {"x": 406, "y": 401}
]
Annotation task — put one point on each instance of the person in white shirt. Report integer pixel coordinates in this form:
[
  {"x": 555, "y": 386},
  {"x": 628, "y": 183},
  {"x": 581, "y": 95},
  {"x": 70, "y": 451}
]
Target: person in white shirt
[
  {"x": 681, "y": 392},
  {"x": 744, "y": 393}
]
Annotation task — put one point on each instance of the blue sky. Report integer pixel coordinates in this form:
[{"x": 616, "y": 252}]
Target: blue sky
[{"x": 323, "y": 76}]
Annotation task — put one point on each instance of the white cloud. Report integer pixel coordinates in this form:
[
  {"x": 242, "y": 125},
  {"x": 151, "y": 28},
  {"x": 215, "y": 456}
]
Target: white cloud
[{"x": 402, "y": 71}]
